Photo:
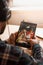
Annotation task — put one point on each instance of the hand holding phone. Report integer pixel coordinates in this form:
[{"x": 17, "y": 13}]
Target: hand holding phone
[{"x": 26, "y": 31}]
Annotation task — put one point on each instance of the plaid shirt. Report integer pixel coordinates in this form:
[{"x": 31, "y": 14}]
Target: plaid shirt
[
  {"x": 9, "y": 54},
  {"x": 13, "y": 55}
]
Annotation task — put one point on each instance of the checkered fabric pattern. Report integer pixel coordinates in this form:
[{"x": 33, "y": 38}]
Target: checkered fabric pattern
[
  {"x": 13, "y": 55},
  {"x": 9, "y": 55}
]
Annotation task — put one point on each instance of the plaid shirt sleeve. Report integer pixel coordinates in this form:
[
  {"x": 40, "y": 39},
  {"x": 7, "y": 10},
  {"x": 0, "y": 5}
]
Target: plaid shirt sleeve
[
  {"x": 9, "y": 54},
  {"x": 13, "y": 55}
]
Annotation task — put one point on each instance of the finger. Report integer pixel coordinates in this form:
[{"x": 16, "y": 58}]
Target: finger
[
  {"x": 34, "y": 41},
  {"x": 35, "y": 37},
  {"x": 15, "y": 33}
]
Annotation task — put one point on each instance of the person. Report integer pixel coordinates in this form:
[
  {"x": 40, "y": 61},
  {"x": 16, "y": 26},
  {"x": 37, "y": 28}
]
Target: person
[{"x": 10, "y": 54}]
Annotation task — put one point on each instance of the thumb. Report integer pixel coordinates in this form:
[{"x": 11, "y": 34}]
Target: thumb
[{"x": 34, "y": 41}]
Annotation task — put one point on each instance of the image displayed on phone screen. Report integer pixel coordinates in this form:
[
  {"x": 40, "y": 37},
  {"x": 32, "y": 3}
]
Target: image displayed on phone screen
[{"x": 26, "y": 31}]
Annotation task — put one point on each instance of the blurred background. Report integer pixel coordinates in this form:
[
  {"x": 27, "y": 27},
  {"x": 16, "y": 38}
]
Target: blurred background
[{"x": 27, "y": 10}]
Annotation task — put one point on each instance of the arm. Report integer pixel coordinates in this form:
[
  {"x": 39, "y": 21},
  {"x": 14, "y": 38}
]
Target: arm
[
  {"x": 13, "y": 55},
  {"x": 9, "y": 54}
]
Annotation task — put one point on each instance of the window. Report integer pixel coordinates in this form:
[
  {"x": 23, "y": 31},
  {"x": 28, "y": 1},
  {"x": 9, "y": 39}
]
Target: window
[{"x": 27, "y": 4}]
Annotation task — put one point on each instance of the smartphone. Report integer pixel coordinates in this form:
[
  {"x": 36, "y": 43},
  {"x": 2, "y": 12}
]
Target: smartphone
[{"x": 26, "y": 31}]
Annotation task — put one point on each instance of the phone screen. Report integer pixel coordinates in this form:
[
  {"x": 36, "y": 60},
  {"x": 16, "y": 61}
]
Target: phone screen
[{"x": 26, "y": 31}]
